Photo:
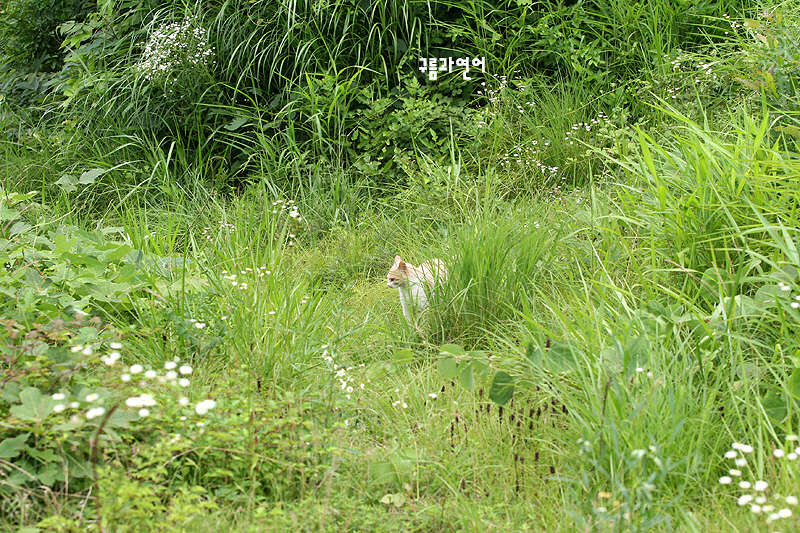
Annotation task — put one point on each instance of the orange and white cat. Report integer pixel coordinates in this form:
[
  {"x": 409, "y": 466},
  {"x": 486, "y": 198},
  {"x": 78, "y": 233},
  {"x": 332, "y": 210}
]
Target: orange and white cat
[{"x": 412, "y": 283}]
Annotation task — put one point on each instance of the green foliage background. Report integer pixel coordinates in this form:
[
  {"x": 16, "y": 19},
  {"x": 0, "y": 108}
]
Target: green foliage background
[{"x": 196, "y": 333}]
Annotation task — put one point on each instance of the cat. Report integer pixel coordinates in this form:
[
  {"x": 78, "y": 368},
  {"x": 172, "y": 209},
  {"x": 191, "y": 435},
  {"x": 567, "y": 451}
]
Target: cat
[{"x": 412, "y": 282}]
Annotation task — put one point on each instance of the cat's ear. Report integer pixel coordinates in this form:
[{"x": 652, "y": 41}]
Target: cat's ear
[{"x": 397, "y": 260}]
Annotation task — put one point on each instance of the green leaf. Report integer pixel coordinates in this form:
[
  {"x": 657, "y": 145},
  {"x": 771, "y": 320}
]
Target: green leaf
[
  {"x": 562, "y": 357},
  {"x": 774, "y": 407},
  {"x": 534, "y": 355},
  {"x": 794, "y": 384},
  {"x": 502, "y": 388},
  {"x": 467, "y": 377},
  {"x": 236, "y": 123},
  {"x": 90, "y": 175},
  {"x": 13, "y": 446},
  {"x": 19, "y": 227},
  {"x": 405, "y": 355},
  {"x": 448, "y": 367},
  {"x": 452, "y": 349},
  {"x": 35, "y": 407},
  {"x": 67, "y": 183}
]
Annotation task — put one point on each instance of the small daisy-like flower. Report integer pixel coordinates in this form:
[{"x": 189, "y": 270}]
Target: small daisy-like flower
[
  {"x": 125, "y": 377},
  {"x": 136, "y": 369},
  {"x": 200, "y": 325},
  {"x": 58, "y": 396},
  {"x": 731, "y": 454},
  {"x": 725, "y": 480},
  {"x": 115, "y": 346},
  {"x": 778, "y": 453},
  {"x": 760, "y": 485},
  {"x": 741, "y": 462},
  {"x": 133, "y": 401},
  {"x": 784, "y": 513},
  {"x": 205, "y": 406},
  {"x": 77, "y": 348},
  {"x": 791, "y": 438},
  {"x": 92, "y": 397},
  {"x": 74, "y": 405},
  {"x": 744, "y": 499},
  {"x": 745, "y": 485},
  {"x": 95, "y": 412},
  {"x": 143, "y": 412},
  {"x": 59, "y": 407},
  {"x": 346, "y": 422},
  {"x": 170, "y": 365},
  {"x": 735, "y": 472},
  {"x": 432, "y": 395},
  {"x": 185, "y": 370},
  {"x": 183, "y": 382},
  {"x": 791, "y": 500},
  {"x": 761, "y": 499},
  {"x": 111, "y": 358},
  {"x": 183, "y": 401},
  {"x": 755, "y": 509},
  {"x": 150, "y": 374},
  {"x": 171, "y": 375}
]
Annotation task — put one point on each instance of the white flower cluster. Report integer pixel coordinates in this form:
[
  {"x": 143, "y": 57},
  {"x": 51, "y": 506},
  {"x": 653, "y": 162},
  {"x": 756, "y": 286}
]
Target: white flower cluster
[
  {"x": 175, "y": 47},
  {"x": 758, "y": 500}
]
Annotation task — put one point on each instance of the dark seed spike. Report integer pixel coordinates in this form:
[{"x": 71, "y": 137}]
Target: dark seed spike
[
  {"x": 480, "y": 393},
  {"x": 536, "y": 457},
  {"x": 500, "y": 413},
  {"x": 552, "y": 470}
]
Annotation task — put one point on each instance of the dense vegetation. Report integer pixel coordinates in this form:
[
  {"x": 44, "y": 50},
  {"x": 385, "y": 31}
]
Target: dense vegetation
[{"x": 200, "y": 201}]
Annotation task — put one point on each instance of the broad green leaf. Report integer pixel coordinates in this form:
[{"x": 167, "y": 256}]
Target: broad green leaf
[
  {"x": 35, "y": 406},
  {"x": 448, "y": 367},
  {"x": 774, "y": 407},
  {"x": 18, "y": 227},
  {"x": 67, "y": 183},
  {"x": 562, "y": 357},
  {"x": 90, "y": 175},
  {"x": 404, "y": 355},
  {"x": 13, "y": 446},
  {"x": 452, "y": 349},
  {"x": 534, "y": 355},
  {"x": 467, "y": 377},
  {"x": 794, "y": 384},
  {"x": 502, "y": 388}
]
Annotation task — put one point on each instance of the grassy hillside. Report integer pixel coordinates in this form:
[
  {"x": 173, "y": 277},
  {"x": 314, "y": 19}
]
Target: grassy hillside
[{"x": 200, "y": 203}]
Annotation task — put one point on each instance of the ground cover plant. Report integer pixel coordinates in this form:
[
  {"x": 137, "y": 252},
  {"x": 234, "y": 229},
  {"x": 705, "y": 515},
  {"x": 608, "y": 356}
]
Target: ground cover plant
[{"x": 200, "y": 201}]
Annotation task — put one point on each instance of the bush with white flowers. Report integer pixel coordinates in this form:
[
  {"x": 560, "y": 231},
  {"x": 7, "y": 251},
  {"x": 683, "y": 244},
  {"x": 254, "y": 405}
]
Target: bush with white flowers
[{"x": 175, "y": 48}]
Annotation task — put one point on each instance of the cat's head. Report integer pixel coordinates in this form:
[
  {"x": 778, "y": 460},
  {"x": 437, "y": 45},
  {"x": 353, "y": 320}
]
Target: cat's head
[{"x": 397, "y": 274}]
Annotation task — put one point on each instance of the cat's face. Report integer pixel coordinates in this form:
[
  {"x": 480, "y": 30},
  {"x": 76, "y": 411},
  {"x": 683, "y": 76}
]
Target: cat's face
[{"x": 397, "y": 274}]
